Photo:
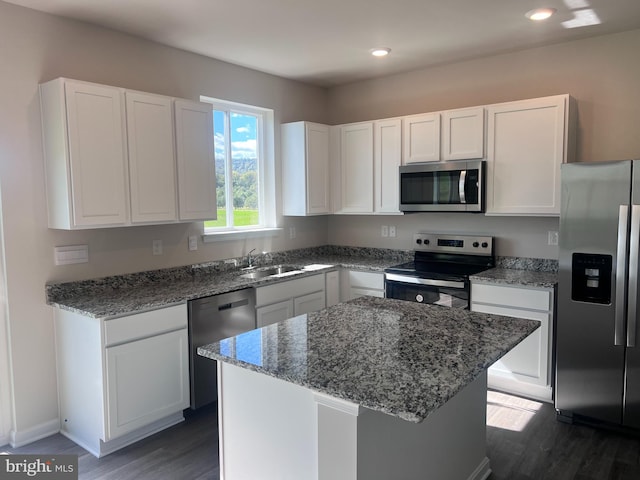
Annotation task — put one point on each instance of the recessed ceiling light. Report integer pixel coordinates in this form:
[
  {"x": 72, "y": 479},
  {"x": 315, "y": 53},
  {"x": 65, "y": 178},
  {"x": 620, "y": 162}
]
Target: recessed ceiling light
[
  {"x": 380, "y": 52},
  {"x": 540, "y": 13}
]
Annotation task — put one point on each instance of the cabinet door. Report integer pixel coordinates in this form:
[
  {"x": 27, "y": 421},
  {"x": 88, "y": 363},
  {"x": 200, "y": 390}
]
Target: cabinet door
[
  {"x": 421, "y": 134},
  {"x": 332, "y": 288},
  {"x": 356, "y": 166},
  {"x": 305, "y": 169},
  {"x": 152, "y": 165},
  {"x": 308, "y": 303},
  {"x": 463, "y": 134},
  {"x": 387, "y": 158},
  {"x": 146, "y": 380},
  {"x": 97, "y": 152},
  {"x": 274, "y": 313},
  {"x": 317, "y": 177},
  {"x": 195, "y": 158},
  {"x": 525, "y": 147},
  {"x": 527, "y": 368}
]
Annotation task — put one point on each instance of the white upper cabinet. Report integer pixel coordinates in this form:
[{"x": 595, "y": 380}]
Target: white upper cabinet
[
  {"x": 387, "y": 156},
  {"x": 356, "y": 168},
  {"x": 463, "y": 134},
  {"x": 85, "y": 154},
  {"x": 305, "y": 169},
  {"x": 527, "y": 142},
  {"x": 195, "y": 159},
  {"x": 421, "y": 138},
  {"x": 110, "y": 157},
  {"x": 152, "y": 166}
]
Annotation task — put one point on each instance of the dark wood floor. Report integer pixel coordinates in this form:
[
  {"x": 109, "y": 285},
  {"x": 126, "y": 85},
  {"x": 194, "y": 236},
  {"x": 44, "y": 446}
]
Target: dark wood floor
[{"x": 524, "y": 442}]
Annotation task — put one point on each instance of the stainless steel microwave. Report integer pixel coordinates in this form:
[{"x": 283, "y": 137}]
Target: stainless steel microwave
[{"x": 456, "y": 186}]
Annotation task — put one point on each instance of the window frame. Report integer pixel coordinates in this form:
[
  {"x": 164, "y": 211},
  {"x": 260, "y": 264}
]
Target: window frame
[{"x": 266, "y": 172}]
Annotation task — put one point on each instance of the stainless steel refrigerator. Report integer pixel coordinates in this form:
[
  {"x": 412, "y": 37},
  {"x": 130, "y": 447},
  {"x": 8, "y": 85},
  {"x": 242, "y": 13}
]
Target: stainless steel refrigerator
[{"x": 597, "y": 349}]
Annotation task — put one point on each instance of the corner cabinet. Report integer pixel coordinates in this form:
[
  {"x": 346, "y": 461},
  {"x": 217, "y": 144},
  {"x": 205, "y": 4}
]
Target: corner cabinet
[
  {"x": 526, "y": 370},
  {"x": 111, "y": 160},
  {"x": 305, "y": 169},
  {"x": 356, "y": 284},
  {"x": 121, "y": 379},
  {"x": 527, "y": 141}
]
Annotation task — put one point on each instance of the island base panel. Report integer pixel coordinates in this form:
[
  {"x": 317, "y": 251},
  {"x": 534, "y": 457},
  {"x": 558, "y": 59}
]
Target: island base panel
[{"x": 272, "y": 429}]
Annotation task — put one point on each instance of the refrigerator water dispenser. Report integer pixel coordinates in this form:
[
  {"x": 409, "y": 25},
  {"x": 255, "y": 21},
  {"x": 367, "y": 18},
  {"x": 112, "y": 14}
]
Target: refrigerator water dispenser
[{"x": 591, "y": 278}]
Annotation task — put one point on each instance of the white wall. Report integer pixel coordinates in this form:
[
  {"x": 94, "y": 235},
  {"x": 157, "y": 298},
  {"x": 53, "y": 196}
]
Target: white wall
[
  {"x": 601, "y": 73},
  {"x": 37, "y": 47}
]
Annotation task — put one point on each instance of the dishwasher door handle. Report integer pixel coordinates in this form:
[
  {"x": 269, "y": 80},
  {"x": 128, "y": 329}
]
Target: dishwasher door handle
[{"x": 229, "y": 306}]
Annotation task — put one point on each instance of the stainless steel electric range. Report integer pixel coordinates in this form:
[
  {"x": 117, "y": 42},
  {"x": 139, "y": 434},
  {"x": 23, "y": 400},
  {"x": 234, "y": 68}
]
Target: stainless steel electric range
[{"x": 441, "y": 268}]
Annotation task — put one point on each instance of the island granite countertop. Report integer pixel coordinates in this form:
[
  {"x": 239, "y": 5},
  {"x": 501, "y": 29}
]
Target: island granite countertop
[{"x": 401, "y": 358}]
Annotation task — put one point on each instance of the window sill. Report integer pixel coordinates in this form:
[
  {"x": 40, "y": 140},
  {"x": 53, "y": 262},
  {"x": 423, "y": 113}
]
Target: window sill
[{"x": 240, "y": 234}]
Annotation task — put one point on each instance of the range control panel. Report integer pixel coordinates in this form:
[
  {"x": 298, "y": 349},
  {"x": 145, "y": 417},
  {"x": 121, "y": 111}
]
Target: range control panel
[{"x": 460, "y": 244}]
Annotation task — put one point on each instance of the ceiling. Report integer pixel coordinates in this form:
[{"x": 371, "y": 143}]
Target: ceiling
[{"x": 327, "y": 42}]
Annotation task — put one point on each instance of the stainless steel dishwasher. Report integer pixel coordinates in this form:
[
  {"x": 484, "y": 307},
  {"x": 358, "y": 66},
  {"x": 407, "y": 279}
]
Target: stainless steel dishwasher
[{"x": 212, "y": 319}]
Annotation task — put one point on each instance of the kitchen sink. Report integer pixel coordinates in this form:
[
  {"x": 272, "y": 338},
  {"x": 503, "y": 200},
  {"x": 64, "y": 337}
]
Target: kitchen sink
[{"x": 268, "y": 271}]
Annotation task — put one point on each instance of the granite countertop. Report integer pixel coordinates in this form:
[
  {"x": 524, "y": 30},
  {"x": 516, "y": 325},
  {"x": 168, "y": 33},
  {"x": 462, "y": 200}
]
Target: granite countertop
[
  {"x": 127, "y": 294},
  {"x": 401, "y": 358},
  {"x": 523, "y": 278}
]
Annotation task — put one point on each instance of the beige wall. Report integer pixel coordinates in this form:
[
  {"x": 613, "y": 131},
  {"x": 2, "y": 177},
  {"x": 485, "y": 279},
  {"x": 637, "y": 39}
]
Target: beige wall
[
  {"x": 37, "y": 47},
  {"x": 601, "y": 73}
]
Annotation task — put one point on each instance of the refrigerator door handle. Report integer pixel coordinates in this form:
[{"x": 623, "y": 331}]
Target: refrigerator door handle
[
  {"x": 621, "y": 274},
  {"x": 633, "y": 277}
]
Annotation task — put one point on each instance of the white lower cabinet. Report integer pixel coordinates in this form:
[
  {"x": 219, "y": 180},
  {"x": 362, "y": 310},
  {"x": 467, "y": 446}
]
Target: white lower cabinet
[
  {"x": 358, "y": 284},
  {"x": 283, "y": 300},
  {"x": 122, "y": 379},
  {"x": 527, "y": 369},
  {"x": 274, "y": 313}
]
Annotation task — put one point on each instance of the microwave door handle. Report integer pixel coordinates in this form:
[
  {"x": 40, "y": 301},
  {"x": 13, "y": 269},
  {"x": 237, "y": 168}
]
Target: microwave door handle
[
  {"x": 621, "y": 273},
  {"x": 633, "y": 277},
  {"x": 461, "y": 184}
]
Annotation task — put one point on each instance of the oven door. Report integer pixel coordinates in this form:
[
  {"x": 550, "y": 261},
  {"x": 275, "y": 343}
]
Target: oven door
[{"x": 447, "y": 293}]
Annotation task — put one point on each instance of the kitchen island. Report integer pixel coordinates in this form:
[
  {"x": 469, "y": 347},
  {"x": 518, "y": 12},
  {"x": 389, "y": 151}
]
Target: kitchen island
[{"x": 368, "y": 389}]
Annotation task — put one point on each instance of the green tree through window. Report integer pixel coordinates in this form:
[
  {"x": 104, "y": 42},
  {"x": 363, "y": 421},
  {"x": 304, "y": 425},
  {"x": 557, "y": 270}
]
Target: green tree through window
[{"x": 237, "y": 157}]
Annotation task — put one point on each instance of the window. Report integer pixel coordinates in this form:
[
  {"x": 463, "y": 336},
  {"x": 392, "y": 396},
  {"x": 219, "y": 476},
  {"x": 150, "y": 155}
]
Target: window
[{"x": 243, "y": 142}]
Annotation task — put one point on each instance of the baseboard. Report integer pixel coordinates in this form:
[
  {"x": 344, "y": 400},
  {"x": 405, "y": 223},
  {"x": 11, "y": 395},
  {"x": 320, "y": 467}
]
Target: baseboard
[
  {"x": 521, "y": 389},
  {"x": 482, "y": 472},
  {"x": 30, "y": 435},
  {"x": 117, "y": 443},
  {"x": 4, "y": 440}
]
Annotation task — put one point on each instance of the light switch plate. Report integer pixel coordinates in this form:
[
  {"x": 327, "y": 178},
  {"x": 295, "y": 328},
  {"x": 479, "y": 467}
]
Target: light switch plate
[
  {"x": 552, "y": 237},
  {"x": 392, "y": 231},
  {"x": 193, "y": 242}
]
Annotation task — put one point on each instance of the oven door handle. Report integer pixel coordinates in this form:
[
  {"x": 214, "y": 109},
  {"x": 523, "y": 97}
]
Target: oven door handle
[{"x": 392, "y": 277}]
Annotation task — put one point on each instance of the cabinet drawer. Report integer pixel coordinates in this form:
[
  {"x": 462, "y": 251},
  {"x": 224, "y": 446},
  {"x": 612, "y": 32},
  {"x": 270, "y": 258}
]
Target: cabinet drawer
[
  {"x": 366, "y": 280},
  {"x": 511, "y": 296},
  {"x": 290, "y": 289},
  {"x": 141, "y": 325}
]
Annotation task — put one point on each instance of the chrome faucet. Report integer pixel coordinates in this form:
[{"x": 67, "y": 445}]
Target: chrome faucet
[{"x": 250, "y": 259}]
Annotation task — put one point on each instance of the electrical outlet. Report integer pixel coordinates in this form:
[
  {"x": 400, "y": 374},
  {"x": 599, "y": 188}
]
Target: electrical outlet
[
  {"x": 157, "y": 247},
  {"x": 552, "y": 237},
  {"x": 193, "y": 242},
  {"x": 385, "y": 231},
  {"x": 392, "y": 231},
  {"x": 292, "y": 232}
]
